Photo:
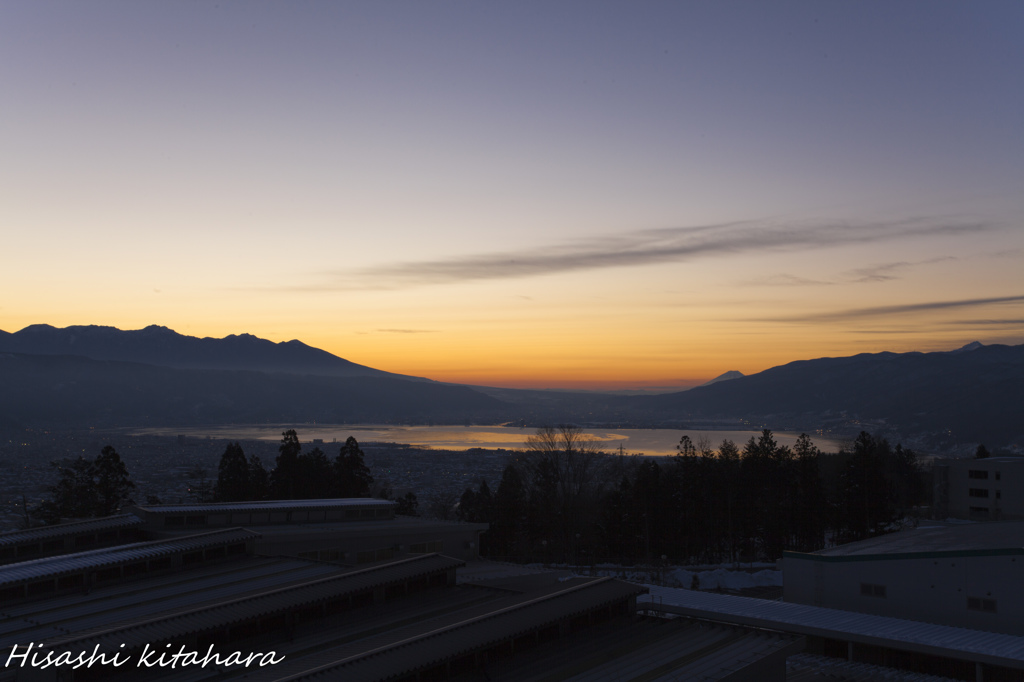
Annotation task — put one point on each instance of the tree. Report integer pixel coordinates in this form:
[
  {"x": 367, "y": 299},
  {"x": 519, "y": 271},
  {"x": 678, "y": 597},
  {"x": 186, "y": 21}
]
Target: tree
[
  {"x": 284, "y": 479},
  {"x": 113, "y": 484},
  {"x": 259, "y": 480},
  {"x": 233, "y": 480},
  {"x": 88, "y": 489},
  {"x": 351, "y": 473},
  {"x": 810, "y": 506},
  {"x": 510, "y": 528},
  {"x": 867, "y": 501},
  {"x": 408, "y": 505},
  {"x": 316, "y": 476},
  {"x": 563, "y": 463},
  {"x": 477, "y": 507},
  {"x": 982, "y": 452}
]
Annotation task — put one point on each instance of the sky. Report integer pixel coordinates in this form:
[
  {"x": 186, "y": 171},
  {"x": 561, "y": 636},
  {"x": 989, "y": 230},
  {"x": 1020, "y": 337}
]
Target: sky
[{"x": 531, "y": 194}]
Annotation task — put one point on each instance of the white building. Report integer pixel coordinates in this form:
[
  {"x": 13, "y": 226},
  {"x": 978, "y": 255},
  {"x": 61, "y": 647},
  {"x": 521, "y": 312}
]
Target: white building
[
  {"x": 967, "y": 574},
  {"x": 990, "y": 489}
]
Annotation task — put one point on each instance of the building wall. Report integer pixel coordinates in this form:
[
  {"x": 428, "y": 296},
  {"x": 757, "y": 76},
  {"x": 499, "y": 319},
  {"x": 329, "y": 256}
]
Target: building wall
[
  {"x": 965, "y": 589},
  {"x": 990, "y": 489}
]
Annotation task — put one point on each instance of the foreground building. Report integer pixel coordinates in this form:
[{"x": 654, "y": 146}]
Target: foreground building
[
  {"x": 331, "y": 589},
  {"x": 964, "y": 575}
]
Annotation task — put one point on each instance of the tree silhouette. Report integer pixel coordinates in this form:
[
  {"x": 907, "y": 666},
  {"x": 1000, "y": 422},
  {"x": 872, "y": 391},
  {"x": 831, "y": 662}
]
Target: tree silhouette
[
  {"x": 88, "y": 489},
  {"x": 233, "y": 479},
  {"x": 284, "y": 481},
  {"x": 352, "y": 476}
]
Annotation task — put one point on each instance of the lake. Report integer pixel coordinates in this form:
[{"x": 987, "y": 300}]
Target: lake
[{"x": 646, "y": 441}]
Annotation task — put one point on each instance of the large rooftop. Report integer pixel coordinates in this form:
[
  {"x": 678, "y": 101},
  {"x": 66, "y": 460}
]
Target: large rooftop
[
  {"x": 60, "y": 530},
  {"x": 1000, "y": 537},
  {"x": 50, "y": 567},
  {"x": 908, "y": 635},
  {"x": 266, "y": 505}
]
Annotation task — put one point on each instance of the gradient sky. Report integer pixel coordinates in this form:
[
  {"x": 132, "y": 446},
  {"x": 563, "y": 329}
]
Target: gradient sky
[{"x": 523, "y": 194}]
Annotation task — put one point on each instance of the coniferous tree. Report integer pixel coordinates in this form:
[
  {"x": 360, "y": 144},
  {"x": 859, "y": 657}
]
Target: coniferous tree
[
  {"x": 113, "y": 484},
  {"x": 407, "y": 505},
  {"x": 867, "y": 503},
  {"x": 315, "y": 476},
  {"x": 88, "y": 489},
  {"x": 510, "y": 528},
  {"x": 259, "y": 480},
  {"x": 352, "y": 475},
  {"x": 284, "y": 479},
  {"x": 233, "y": 476}
]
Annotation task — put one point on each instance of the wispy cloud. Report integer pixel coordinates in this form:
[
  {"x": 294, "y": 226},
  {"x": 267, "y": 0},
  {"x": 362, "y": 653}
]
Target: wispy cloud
[
  {"x": 407, "y": 331},
  {"x": 879, "y": 311},
  {"x": 788, "y": 280},
  {"x": 643, "y": 247},
  {"x": 989, "y": 323},
  {"x": 882, "y": 272}
]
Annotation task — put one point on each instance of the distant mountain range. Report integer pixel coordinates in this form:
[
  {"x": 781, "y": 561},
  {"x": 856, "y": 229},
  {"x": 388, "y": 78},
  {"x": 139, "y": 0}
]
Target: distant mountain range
[
  {"x": 165, "y": 347},
  {"x": 102, "y": 376},
  {"x": 975, "y": 393}
]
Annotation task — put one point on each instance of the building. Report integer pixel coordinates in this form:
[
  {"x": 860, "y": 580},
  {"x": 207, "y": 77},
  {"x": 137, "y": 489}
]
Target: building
[
  {"x": 345, "y": 531},
  {"x": 845, "y": 643},
  {"x": 336, "y": 589},
  {"x": 990, "y": 489},
  {"x": 966, "y": 575}
]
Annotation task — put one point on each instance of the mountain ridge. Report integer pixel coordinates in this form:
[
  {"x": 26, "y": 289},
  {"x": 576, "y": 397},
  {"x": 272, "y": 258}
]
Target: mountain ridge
[{"x": 164, "y": 347}]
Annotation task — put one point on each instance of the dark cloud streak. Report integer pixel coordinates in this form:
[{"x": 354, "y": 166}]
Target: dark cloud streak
[
  {"x": 644, "y": 247},
  {"x": 879, "y": 311}
]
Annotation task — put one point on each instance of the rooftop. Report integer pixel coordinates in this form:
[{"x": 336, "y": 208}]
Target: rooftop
[
  {"x": 136, "y": 601},
  {"x": 266, "y": 505},
  {"x": 118, "y": 521},
  {"x": 908, "y": 635},
  {"x": 932, "y": 538},
  {"x": 49, "y": 567}
]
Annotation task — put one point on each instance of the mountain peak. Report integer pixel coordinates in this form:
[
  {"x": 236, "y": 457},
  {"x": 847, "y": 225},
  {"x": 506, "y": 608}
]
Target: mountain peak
[
  {"x": 973, "y": 345},
  {"x": 731, "y": 374}
]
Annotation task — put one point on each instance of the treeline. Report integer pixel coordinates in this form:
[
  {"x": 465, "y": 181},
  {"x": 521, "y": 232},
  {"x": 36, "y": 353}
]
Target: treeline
[
  {"x": 101, "y": 487},
  {"x": 296, "y": 475},
  {"x": 564, "y": 501},
  {"x": 84, "y": 489}
]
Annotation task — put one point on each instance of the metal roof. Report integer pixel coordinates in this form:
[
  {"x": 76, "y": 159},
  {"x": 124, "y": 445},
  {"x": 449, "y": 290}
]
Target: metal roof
[
  {"x": 181, "y": 622},
  {"x": 76, "y": 612},
  {"x": 17, "y": 537},
  {"x": 929, "y": 540},
  {"x": 423, "y": 649},
  {"x": 909, "y": 635},
  {"x": 49, "y": 567},
  {"x": 267, "y": 505}
]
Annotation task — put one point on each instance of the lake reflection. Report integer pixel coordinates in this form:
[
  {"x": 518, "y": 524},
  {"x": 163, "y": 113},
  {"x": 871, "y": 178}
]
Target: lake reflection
[{"x": 646, "y": 441}]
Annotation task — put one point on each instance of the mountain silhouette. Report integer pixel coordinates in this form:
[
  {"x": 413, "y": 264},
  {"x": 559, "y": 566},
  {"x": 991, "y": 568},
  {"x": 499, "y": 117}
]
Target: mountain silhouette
[
  {"x": 156, "y": 345},
  {"x": 974, "y": 394}
]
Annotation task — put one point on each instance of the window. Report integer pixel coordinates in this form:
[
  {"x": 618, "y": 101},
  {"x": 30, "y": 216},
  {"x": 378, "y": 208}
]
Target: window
[
  {"x": 999, "y": 494},
  {"x": 978, "y": 492},
  {"x": 869, "y": 590},
  {"x": 998, "y": 476},
  {"x": 974, "y": 473},
  {"x": 979, "y": 604},
  {"x": 979, "y": 511}
]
